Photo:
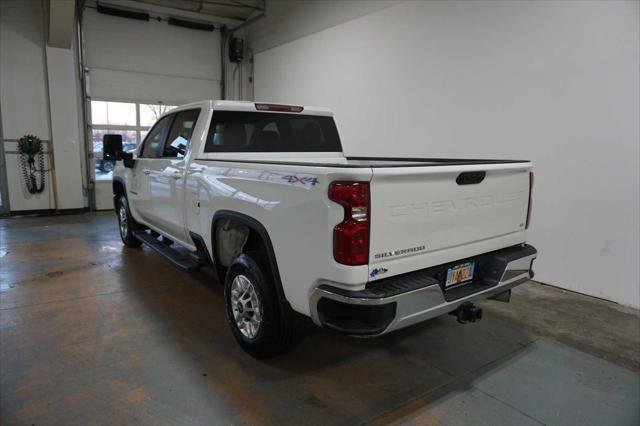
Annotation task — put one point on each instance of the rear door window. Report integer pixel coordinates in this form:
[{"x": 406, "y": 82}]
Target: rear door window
[{"x": 233, "y": 131}]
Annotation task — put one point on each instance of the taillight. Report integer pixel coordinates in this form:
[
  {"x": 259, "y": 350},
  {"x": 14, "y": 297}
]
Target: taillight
[
  {"x": 351, "y": 236},
  {"x": 530, "y": 199}
]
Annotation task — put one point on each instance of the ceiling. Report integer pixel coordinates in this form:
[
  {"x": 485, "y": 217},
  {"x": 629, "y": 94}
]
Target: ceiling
[{"x": 233, "y": 9}]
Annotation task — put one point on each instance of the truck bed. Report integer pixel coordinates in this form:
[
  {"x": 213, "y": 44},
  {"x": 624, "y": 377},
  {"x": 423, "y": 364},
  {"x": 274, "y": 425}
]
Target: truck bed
[
  {"x": 369, "y": 162},
  {"x": 421, "y": 162}
]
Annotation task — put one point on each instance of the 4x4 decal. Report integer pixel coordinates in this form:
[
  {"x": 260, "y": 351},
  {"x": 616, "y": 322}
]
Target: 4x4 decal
[{"x": 303, "y": 180}]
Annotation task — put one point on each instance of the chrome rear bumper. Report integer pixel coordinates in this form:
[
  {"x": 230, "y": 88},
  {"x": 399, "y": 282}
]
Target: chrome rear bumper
[{"x": 398, "y": 302}]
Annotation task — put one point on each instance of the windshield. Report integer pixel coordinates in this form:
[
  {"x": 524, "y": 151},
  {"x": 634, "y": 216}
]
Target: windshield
[{"x": 235, "y": 131}]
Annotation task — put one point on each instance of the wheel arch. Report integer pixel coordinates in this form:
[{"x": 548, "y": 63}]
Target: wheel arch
[
  {"x": 256, "y": 227},
  {"x": 119, "y": 189}
]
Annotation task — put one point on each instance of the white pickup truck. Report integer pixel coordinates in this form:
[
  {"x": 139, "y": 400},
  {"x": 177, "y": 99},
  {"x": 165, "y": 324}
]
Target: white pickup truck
[{"x": 364, "y": 246}]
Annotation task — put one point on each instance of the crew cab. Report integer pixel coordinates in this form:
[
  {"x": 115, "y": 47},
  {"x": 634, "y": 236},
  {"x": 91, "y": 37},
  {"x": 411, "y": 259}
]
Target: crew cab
[{"x": 364, "y": 246}]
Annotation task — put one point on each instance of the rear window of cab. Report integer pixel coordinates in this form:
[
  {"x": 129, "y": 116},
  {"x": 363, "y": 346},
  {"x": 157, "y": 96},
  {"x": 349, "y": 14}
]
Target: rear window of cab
[{"x": 238, "y": 131}]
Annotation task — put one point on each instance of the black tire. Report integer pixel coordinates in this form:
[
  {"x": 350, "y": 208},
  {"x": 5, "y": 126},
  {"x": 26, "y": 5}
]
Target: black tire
[
  {"x": 275, "y": 330},
  {"x": 126, "y": 223}
]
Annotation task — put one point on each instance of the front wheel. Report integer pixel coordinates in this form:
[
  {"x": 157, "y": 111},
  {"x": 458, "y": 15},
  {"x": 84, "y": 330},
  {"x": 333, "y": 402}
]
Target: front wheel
[
  {"x": 126, "y": 224},
  {"x": 253, "y": 311}
]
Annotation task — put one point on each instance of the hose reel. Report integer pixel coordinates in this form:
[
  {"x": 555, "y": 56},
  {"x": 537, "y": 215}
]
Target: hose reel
[{"x": 30, "y": 152}]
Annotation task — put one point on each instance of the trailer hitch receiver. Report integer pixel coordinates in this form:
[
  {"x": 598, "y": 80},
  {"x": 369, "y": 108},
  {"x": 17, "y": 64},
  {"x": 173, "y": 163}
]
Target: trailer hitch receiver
[{"x": 467, "y": 312}]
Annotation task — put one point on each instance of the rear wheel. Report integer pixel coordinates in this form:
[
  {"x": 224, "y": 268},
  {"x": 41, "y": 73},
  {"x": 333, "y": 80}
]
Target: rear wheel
[
  {"x": 253, "y": 311},
  {"x": 126, "y": 224}
]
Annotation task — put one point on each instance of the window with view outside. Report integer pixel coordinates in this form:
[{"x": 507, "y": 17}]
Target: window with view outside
[
  {"x": 150, "y": 113},
  {"x": 113, "y": 113},
  {"x": 132, "y": 120}
]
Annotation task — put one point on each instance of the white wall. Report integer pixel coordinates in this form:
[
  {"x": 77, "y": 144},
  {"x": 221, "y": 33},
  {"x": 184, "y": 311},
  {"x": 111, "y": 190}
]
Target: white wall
[
  {"x": 39, "y": 96},
  {"x": 554, "y": 82},
  {"x": 65, "y": 132},
  {"x": 150, "y": 61},
  {"x": 23, "y": 93},
  {"x": 288, "y": 20}
]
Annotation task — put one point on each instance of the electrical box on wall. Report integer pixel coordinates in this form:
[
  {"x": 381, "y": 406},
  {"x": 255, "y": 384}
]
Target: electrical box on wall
[{"x": 236, "y": 49}]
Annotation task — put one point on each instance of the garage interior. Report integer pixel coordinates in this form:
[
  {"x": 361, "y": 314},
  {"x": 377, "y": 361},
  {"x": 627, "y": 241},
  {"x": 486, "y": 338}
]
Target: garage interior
[{"x": 92, "y": 332}]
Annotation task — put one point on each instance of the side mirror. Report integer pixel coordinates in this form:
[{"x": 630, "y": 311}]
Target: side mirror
[
  {"x": 112, "y": 150},
  {"x": 111, "y": 146}
]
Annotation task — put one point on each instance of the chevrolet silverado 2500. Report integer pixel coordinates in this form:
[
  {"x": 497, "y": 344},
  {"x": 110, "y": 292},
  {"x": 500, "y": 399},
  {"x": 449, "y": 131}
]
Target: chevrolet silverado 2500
[{"x": 364, "y": 246}]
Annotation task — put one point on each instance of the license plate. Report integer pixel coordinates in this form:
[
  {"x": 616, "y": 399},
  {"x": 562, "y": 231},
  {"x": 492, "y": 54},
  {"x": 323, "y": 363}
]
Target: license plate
[{"x": 459, "y": 274}]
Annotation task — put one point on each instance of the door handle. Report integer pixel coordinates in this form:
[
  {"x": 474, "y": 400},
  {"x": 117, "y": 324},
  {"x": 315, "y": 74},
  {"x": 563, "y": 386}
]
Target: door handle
[{"x": 146, "y": 171}]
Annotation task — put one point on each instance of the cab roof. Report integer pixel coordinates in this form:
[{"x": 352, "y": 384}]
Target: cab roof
[{"x": 248, "y": 106}]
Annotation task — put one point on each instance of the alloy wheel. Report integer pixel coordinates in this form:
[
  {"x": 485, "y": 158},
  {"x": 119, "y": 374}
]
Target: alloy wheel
[{"x": 246, "y": 306}]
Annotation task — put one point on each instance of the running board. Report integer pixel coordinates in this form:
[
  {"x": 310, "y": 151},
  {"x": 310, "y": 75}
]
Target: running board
[{"x": 180, "y": 260}]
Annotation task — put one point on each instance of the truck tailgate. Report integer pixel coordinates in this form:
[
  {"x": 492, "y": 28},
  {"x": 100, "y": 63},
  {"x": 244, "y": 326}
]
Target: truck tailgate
[{"x": 426, "y": 216}]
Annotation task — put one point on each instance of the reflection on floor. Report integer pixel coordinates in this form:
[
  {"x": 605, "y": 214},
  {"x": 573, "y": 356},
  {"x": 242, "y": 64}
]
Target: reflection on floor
[{"x": 94, "y": 333}]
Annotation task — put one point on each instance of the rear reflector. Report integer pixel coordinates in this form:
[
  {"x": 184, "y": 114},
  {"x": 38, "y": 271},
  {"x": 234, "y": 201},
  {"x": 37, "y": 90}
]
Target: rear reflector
[
  {"x": 351, "y": 236},
  {"x": 530, "y": 199},
  {"x": 279, "y": 108}
]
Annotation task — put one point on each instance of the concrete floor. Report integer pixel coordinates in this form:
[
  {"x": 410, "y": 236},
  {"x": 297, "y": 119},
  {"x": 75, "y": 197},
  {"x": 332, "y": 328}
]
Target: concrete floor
[{"x": 95, "y": 333}]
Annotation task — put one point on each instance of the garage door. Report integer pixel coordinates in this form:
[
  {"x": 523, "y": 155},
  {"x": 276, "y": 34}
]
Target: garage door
[{"x": 137, "y": 71}]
